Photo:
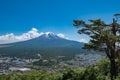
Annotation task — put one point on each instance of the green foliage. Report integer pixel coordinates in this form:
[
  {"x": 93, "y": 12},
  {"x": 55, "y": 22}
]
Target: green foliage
[
  {"x": 100, "y": 33},
  {"x": 103, "y": 37}
]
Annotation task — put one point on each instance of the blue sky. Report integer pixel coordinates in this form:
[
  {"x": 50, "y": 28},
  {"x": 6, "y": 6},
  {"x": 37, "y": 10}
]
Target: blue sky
[{"x": 20, "y": 16}]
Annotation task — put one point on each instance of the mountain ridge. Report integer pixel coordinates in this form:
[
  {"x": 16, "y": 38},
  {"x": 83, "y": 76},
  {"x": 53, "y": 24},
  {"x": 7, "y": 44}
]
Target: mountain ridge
[{"x": 47, "y": 44}]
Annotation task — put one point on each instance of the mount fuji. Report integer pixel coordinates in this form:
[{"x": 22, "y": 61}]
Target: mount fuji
[{"x": 47, "y": 44}]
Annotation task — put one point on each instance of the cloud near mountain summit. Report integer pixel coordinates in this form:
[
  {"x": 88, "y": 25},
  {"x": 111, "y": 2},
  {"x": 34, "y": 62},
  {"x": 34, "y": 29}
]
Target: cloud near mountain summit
[{"x": 33, "y": 33}]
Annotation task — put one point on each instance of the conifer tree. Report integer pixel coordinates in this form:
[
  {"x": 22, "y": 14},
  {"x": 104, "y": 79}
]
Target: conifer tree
[{"x": 103, "y": 37}]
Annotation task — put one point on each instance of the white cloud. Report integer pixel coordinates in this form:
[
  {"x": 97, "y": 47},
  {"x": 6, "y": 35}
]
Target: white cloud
[
  {"x": 8, "y": 38},
  {"x": 83, "y": 40},
  {"x": 33, "y": 33},
  {"x": 61, "y": 35},
  {"x": 30, "y": 34}
]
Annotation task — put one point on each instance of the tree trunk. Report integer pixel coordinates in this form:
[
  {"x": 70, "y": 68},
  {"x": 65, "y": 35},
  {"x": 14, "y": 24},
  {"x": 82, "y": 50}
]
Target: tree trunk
[{"x": 112, "y": 68}]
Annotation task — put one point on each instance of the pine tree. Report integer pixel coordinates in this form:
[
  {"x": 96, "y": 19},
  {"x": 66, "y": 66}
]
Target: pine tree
[{"x": 103, "y": 37}]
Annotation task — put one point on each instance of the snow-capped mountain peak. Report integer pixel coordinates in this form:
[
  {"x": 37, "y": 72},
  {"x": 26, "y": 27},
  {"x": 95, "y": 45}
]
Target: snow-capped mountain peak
[{"x": 49, "y": 35}]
